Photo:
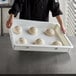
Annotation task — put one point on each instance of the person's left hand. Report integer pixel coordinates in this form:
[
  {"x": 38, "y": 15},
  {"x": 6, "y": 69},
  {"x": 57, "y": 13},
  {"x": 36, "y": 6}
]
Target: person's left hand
[{"x": 63, "y": 29}]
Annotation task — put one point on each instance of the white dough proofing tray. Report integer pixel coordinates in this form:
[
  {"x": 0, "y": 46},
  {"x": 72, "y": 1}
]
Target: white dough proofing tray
[{"x": 47, "y": 47}]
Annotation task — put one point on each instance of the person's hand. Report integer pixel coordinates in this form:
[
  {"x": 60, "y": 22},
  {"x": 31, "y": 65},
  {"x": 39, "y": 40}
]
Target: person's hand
[
  {"x": 59, "y": 19},
  {"x": 63, "y": 29},
  {"x": 10, "y": 21}
]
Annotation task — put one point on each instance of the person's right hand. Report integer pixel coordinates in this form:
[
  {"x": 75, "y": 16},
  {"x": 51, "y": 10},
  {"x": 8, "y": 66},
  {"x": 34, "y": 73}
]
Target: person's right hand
[{"x": 10, "y": 21}]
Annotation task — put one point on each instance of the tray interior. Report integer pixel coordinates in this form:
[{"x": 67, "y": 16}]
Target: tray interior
[{"x": 42, "y": 26}]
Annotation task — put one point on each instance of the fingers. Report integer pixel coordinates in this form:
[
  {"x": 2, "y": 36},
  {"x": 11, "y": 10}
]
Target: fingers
[
  {"x": 8, "y": 24},
  {"x": 10, "y": 21},
  {"x": 63, "y": 30}
]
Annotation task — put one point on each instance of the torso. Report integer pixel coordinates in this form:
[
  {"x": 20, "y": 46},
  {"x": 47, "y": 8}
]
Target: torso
[{"x": 35, "y": 10}]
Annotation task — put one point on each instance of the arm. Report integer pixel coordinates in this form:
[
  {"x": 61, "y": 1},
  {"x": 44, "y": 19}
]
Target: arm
[
  {"x": 54, "y": 7},
  {"x": 17, "y": 7},
  {"x": 56, "y": 12},
  {"x": 59, "y": 19},
  {"x": 10, "y": 21}
]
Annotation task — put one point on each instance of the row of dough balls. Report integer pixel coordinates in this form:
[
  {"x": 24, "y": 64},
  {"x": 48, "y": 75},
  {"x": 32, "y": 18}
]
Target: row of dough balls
[
  {"x": 34, "y": 31},
  {"x": 38, "y": 41}
]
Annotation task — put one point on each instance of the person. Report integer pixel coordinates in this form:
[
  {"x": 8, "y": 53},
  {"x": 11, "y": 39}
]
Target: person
[{"x": 36, "y": 10}]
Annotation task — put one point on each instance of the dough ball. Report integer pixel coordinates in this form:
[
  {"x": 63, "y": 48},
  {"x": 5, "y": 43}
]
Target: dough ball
[
  {"x": 58, "y": 43},
  {"x": 22, "y": 41},
  {"x": 33, "y": 31},
  {"x": 50, "y": 32},
  {"x": 39, "y": 41},
  {"x": 17, "y": 29}
]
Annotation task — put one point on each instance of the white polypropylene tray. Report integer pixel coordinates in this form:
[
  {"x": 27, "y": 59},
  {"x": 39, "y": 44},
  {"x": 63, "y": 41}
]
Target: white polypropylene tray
[{"x": 42, "y": 26}]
